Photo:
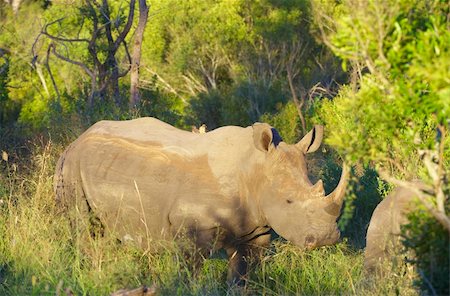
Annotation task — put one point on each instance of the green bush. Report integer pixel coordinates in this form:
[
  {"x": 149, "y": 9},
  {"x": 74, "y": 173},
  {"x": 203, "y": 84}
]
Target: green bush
[
  {"x": 398, "y": 99},
  {"x": 241, "y": 104},
  {"x": 430, "y": 244},
  {"x": 286, "y": 121},
  {"x": 166, "y": 107}
]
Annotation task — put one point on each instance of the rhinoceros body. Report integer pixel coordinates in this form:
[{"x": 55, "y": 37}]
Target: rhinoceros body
[
  {"x": 147, "y": 180},
  {"x": 383, "y": 234}
]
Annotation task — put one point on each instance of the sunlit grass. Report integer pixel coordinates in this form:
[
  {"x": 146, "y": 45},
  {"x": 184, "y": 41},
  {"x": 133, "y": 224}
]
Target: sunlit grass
[{"x": 41, "y": 254}]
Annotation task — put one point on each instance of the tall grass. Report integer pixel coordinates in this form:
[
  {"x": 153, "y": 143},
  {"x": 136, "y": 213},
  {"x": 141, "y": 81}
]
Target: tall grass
[{"x": 41, "y": 254}]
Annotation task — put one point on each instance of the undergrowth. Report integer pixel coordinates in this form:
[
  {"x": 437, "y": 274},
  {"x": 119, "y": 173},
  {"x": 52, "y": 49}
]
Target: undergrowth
[{"x": 41, "y": 254}]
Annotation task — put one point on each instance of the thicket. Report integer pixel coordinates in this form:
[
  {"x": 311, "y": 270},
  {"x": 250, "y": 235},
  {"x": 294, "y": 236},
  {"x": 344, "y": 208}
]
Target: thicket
[
  {"x": 395, "y": 117},
  {"x": 375, "y": 73}
]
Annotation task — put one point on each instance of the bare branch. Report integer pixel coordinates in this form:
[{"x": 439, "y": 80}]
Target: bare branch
[
  {"x": 440, "y": 169},
  {"x": 165, "y": 84},
  {"x": 298, "y": 103},
  {"x": 135, "y": 61},
  {"x": 397, "y": 165},
  {"x": 104, "y": 9},
  {"x": 193, "y": 84},
  {"x": 38, "y": 69},
  {"x": 292, "y": 55},
  {"x": 128, "y": 25},
  {"x": 47, "y": 65},
  {"x": 61, "y": 39},
  {"x": 122, "y": 74},
  {"x": 96, "y": 30},
  {"x": 80, "y": 64}
]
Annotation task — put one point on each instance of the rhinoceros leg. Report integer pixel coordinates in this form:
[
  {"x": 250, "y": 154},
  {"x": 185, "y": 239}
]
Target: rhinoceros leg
[
  {"x": 237, "y": 265},
  {"x": 242, "y": 255}
]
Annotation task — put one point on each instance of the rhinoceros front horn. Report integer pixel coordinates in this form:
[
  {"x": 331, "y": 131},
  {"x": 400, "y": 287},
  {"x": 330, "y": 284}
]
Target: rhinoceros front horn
[
  {"x": 337, "y": 196},
  {"x": 317, "y": 189}
]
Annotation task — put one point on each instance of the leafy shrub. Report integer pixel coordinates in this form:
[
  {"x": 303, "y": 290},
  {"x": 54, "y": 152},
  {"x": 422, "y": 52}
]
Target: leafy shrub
[
  {"x": 286, "y": 121},
  {"x": 429, "y": 241},
  {"x": 241, "y": 104},
  {"x": 164, "y": 106}
]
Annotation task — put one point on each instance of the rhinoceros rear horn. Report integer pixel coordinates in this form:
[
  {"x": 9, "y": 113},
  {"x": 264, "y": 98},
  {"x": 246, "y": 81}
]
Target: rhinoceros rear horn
[
  {"x": 337, "y": 196},
  {"x": 312, "y": 140}
]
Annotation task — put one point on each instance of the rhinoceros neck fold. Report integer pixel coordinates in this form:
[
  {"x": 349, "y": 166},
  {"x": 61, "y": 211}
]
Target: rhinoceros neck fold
[{"x": 251, "y": 190}]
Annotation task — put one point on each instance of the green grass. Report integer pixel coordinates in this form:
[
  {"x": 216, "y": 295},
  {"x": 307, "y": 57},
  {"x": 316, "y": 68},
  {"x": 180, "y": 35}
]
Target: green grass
[{"x": 40, "y": 254}]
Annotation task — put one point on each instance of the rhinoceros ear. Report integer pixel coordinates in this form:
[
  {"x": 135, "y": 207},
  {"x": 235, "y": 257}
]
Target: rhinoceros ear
[
  {"x": 312, "y": 140},
  {"x": 263, "y": 136}
]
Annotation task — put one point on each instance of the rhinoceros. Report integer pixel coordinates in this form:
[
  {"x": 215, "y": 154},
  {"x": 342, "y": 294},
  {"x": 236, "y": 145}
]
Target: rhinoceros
[
  {"x": 146, "y": 180},
  {"x": 383, "y": 243}
]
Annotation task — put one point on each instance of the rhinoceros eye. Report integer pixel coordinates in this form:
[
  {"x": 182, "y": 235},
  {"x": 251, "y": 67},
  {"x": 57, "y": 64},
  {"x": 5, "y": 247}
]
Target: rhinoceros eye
[{"x": 289, "y": 201}]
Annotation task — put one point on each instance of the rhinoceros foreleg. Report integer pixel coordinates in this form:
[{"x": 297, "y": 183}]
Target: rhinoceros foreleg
[
  {"x": 241, "y": 256},
  {"x": 237, "y": 265}
]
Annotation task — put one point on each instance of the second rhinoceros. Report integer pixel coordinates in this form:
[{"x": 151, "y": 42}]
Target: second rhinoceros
[
  {"x": 383, "y": 243},
  {"x": 226, "y": 189}
]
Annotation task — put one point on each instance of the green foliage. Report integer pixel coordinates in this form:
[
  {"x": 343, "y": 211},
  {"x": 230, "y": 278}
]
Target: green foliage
[
  {"x": 279, "y": 20},
  {"x": 9, "y": 109},
  {"x": 364, "y": 194},
  {"x": 429, "y": 242},
  {"x": 166, "y": 107},
  {"x": 18, "y": 84},
  {"x": 194, "y": 42},
  {"x": 286, "y": 121},
  {"x": 400, "y": 54},
  {"x": 229, "y": 49},
  {"x": 242, "y": 104},
  {"x": 399, "y": 103}
]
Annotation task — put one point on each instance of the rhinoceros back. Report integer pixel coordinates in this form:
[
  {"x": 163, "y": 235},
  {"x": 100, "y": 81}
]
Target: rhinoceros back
[
  {"x": 384, "y": 230},
  {"x": 133, "y": 173}
]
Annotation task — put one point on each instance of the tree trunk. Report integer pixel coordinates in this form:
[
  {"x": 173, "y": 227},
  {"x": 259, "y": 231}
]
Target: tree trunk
[
  {"x": 15, "y": 4},
  {"x": 114, "y": 79},
  {"x": 136, "y": 56}
]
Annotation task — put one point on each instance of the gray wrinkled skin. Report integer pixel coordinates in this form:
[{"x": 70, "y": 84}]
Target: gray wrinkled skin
[
  {"x": 146, "y": 180},
  {"x": 383, "y": 235}
]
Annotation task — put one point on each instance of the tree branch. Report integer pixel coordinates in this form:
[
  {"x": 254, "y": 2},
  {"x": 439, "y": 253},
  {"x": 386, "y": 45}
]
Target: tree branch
[
  {"x": 440, "y": 169},
  {"x": 61, "y": 39},
  {"x": 129, "y": 60},
  {"x": 165, "y": 84},
  {"x": 128, "y": 25},
  {"x": 80, "y": 64},
  {"x": 47, "y": 65},
  {"x": 104, "y": 9}
]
